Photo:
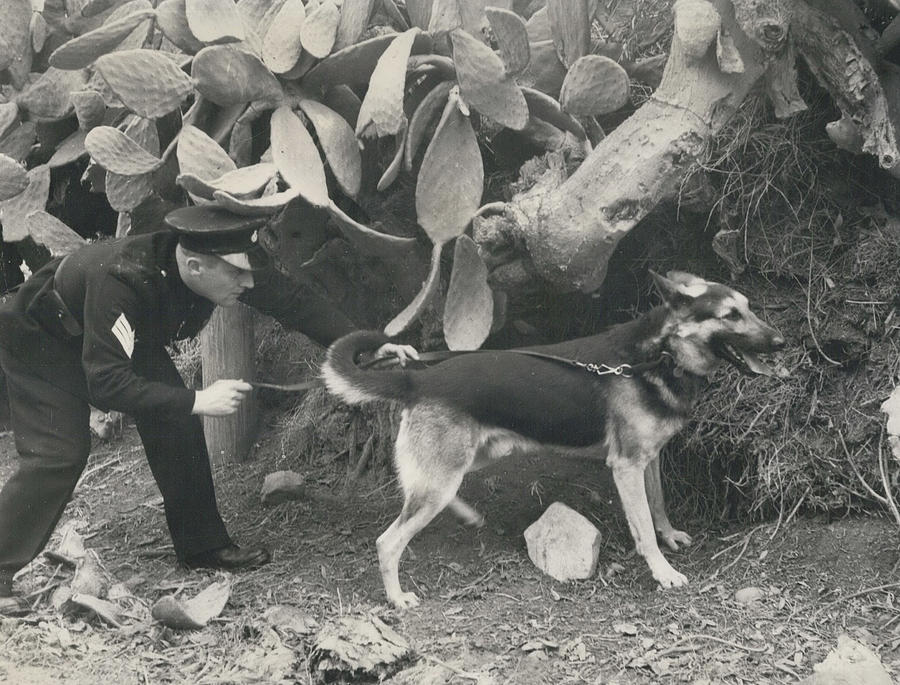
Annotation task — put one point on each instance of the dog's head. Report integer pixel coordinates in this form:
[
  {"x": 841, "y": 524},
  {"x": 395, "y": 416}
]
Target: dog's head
[{"x": 709, "y": 322}]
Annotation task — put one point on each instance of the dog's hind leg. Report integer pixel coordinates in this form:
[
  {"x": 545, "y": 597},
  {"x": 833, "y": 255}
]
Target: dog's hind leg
[
  {"x": 629, "y": 479},
  {"x": 431, "y": 456},
  {"x": 418, "y": 511},
  {"x": 653, "y": 483}
]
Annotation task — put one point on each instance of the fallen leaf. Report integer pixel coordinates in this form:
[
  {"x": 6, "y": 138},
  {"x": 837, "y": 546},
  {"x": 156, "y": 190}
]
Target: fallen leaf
[
  {"x": 108, "y": 611},
  {"x": 71, "y": 544},
  {"x": 194, "y": 613},
  {"x": 359, "y": 645}
]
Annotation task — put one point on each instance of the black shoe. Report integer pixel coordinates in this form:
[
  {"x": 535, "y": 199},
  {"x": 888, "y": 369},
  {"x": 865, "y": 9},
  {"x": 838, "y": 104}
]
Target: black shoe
[{"x": 230, "y": 558}]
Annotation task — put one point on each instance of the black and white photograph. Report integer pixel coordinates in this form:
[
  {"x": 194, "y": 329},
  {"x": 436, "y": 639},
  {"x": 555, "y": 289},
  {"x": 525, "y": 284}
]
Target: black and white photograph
[{"x": 445, "y": 342}]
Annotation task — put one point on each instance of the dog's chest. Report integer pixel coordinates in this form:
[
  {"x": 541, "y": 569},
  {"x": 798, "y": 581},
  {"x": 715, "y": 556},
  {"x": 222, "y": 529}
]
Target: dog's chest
[{"x": 641, "y": 420}]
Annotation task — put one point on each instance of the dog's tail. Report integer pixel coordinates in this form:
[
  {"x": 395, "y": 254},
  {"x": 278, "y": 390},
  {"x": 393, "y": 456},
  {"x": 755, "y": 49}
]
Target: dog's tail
[{"x": 355, "y": 385}]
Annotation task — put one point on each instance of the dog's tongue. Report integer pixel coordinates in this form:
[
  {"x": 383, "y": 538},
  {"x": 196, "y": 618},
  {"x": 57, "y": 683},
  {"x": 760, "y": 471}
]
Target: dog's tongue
[{"x": 757, "y": 365}]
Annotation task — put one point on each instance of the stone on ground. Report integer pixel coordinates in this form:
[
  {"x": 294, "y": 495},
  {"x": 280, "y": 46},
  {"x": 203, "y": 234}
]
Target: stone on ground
[
  {"x": 563, "y": 543},
  {"x": 282, "y": 486},
  {"x": 851, "y": 663},
  {"x": 748, "y": 595}
]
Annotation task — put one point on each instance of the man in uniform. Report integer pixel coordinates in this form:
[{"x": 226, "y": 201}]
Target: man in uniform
[{"x": 92, "y": 329}]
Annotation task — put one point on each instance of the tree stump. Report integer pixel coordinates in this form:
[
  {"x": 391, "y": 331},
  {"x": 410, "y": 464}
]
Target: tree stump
[{"x": 227, "y": 349}]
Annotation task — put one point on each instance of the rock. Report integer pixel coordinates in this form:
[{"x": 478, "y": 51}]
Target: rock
[
  {"x": 748, "y": 595},
  {"x": 106, "y": 425},
  {"x": 282, "y": 486},
  {"x": 563, "y": 543},
  {"x": 290, "y": 618},
  {"x": 851, "y": 663}
]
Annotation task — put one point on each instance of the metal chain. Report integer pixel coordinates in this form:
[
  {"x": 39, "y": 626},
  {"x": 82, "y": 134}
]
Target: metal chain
[{"x": 623, "y": 370}]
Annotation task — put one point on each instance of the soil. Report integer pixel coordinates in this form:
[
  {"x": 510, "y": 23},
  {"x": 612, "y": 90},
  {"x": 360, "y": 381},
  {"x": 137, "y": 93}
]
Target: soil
[{"x": 487, "y": 614}]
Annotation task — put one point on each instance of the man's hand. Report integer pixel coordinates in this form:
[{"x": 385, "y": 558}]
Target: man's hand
[
  {"x": 403, "y": 353},
  {"x": 221, "y": 398}
]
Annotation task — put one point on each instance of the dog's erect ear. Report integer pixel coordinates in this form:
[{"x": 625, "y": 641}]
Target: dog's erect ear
[
  {"x": 668, "y": 289},
  {"x": 678, "y": 288},
  {"x": 683, "y": 278}
]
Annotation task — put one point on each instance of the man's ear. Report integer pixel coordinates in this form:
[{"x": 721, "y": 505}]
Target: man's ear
[
  {"x": 194, "y": 265},
  {"x": 672, "y": 292}
]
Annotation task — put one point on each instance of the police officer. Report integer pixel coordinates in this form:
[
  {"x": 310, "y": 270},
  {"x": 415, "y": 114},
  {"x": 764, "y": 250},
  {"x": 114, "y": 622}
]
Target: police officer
[{"x": 92, "y": 328}]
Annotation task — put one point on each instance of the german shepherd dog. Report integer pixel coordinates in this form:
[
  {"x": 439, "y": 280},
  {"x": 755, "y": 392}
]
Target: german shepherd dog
[{"x": 472, "y": 409}]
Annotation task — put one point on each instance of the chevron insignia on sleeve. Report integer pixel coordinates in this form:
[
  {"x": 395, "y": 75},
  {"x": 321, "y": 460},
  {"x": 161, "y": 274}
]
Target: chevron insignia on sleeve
[{"x": 124, "y": 334}]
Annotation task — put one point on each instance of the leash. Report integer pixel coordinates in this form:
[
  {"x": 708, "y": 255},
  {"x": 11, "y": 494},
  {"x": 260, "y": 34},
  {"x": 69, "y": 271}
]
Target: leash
[
  {"x": 290, "y": 387},
  {"x": 316, "y": 383},
  {"x": 623, "y": 370}
]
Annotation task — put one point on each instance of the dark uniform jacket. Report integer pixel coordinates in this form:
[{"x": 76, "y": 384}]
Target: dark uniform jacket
[{"x": 81, "y": 325}]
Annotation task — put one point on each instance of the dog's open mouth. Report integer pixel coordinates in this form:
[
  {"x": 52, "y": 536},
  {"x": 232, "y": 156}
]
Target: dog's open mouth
[{"x": 748, "y": 362}]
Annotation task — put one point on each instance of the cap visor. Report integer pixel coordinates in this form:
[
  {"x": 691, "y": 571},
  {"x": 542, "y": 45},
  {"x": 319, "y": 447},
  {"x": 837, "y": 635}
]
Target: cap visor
[{"x": 252, "y": 260}]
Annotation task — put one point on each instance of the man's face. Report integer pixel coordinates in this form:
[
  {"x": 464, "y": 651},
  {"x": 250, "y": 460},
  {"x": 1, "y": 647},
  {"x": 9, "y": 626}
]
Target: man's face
[{"x": 221, "y": 282}]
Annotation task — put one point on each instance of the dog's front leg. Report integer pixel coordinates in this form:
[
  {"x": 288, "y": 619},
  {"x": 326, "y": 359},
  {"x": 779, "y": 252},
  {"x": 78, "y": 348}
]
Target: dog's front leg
[
  {"x": 629, "y": 479},
  {"x": 664, "y": 529}
]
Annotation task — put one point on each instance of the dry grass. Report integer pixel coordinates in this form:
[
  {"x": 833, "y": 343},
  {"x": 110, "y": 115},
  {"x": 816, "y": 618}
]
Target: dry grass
[
  {"x": 819, "y": 255},
  {"x": 342, "y": 441},
  {"x": 643, "y": 27}
]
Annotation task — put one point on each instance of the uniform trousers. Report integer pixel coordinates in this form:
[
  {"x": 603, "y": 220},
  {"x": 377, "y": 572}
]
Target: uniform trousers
[{"x": 53, "y": 440}]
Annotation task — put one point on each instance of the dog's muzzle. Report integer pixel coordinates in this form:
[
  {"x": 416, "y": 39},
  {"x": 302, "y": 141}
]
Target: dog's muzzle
[{"x": 747, "y": 360}]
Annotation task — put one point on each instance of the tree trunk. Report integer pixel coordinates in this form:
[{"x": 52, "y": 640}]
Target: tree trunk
[
  {"x": 567, "y": 228},
  {"x": 228, "y": 348},
  {"x": 829, "y": 37}
]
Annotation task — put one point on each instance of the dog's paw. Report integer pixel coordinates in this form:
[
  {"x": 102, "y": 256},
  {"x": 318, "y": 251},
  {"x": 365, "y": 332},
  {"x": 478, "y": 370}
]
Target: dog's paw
[
  {"x": 669, "y": 578},
  {"x": 477, "y": 522},
  {"x": 675, "y": 538},
  {"x": 405, "y": 600}
]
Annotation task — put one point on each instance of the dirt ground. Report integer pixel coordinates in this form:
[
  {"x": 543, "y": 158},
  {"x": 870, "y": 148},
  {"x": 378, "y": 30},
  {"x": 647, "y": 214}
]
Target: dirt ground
[{"x": 487, "y": 616}]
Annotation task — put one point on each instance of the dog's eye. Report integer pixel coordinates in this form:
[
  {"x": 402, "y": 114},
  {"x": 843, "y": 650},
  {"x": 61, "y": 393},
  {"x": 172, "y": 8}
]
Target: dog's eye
[{"x": 733, "y": 314}]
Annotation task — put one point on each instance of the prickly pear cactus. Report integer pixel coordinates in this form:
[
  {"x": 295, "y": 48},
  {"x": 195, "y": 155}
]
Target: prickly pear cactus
[{"x": 256, "y": 104}]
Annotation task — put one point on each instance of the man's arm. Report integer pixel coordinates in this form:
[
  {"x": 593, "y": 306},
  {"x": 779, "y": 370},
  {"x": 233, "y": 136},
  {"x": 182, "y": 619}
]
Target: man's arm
[{"x": 297, "y": 307}]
